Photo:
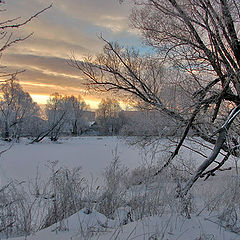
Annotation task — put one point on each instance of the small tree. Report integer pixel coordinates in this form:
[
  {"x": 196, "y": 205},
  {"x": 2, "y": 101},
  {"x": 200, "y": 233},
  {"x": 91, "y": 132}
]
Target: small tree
[{"x": 108, "y": 116}]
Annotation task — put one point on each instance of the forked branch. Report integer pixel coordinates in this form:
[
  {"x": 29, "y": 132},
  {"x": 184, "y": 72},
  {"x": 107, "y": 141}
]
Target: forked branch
[{"x": 219, "y": 143}]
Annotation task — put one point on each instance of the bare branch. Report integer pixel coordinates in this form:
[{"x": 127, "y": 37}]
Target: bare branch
[{"x": 24, "y": 22}]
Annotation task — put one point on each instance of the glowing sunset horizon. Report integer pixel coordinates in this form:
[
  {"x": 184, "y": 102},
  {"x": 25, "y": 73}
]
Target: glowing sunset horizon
[
  {"x": 42, "y": 100},
  {"x": 91, "y": 102}
]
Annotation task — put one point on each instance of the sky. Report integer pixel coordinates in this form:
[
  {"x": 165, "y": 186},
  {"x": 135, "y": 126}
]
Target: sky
[{"x": 70, "y": 26}]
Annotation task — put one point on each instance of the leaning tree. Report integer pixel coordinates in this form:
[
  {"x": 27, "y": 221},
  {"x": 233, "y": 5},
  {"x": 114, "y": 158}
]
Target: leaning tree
[{"x": 196, "y": 47}]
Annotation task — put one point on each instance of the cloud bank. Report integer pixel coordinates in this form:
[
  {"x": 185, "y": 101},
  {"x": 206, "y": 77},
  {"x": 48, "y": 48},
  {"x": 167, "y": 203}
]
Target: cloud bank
[{"x": 69, "y": 26}]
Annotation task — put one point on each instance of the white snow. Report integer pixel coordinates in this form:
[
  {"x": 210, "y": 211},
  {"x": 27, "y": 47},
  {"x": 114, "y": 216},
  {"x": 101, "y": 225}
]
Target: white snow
[
  {"x": 93, "y": 154},
  {"x": 167, "y": 227}
]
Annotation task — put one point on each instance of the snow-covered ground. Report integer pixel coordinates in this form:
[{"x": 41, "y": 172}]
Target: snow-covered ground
[
  {"x": 94, "y": 154},
  {"x": 167, "y": 227}
]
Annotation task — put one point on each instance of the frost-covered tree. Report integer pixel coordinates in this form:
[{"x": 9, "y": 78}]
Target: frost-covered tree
[
  {"x": 108, "y": 116},
  {"x": 76, "y": 107},
  {"x": 16, "y": 109},
  {"x": 65, "y": 114},
  {"x": 56, "y": 114}
]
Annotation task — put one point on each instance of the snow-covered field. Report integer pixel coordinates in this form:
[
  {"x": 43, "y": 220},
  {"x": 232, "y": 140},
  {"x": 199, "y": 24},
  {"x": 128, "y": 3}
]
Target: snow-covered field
[{"x": 94, "y": 154}]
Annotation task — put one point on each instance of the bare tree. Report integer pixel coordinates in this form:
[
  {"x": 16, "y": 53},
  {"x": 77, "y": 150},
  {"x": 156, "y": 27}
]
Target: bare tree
[{"x": 197, "y": 40}]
